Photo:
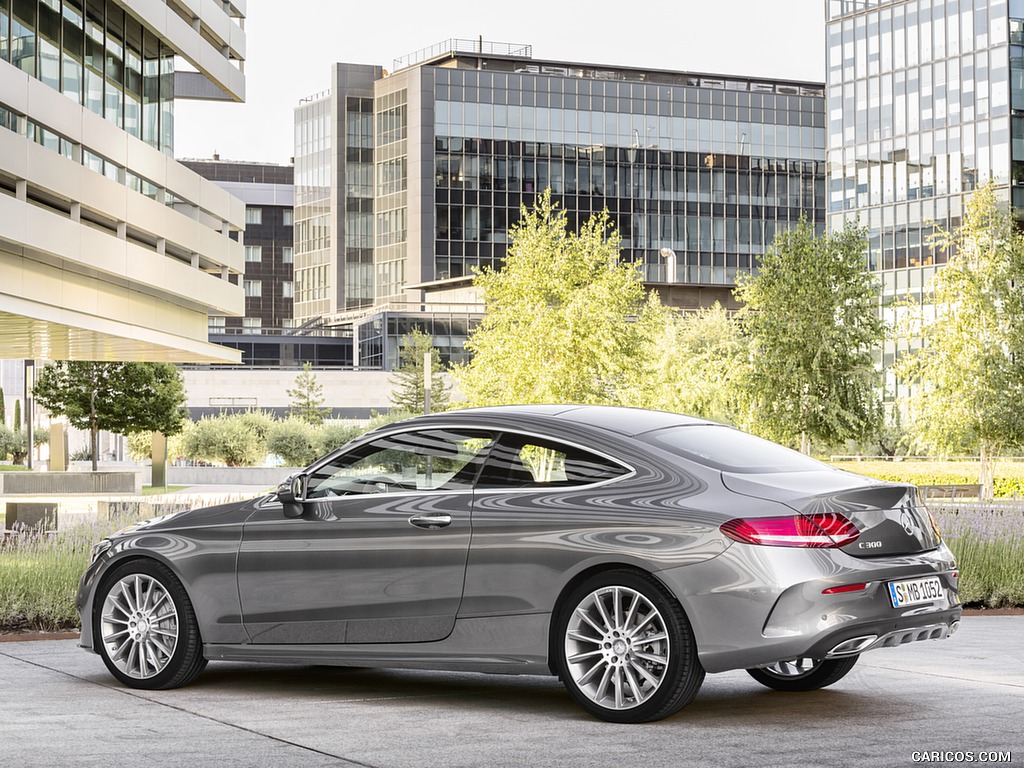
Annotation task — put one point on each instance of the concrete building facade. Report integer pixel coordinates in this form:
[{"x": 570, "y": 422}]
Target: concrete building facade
[
  {"x": 267, "y": 191},
  {"x": 109, "y": 249}
]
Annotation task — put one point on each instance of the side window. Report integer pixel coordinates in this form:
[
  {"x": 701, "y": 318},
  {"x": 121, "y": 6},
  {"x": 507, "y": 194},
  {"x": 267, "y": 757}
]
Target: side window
[
  {"x": 519, "y": 461},
  {"x": 443, "y": 460}
]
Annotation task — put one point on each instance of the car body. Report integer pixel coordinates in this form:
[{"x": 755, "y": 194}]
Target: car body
[{"x": 626, "y": 551}]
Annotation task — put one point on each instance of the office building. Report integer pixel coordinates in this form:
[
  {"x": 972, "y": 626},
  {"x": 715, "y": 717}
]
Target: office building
[
  {"x": 267, "y": 191},
  {"x": 408, "y": 181},
  {"x": 925, "y": 102},
  {"x": 109, "y": 249}
]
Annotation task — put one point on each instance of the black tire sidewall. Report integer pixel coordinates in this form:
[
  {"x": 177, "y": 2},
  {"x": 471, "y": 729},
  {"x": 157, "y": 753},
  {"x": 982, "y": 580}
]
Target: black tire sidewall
[
  {"x": 827, "y": 672},
  {"x": 182, "y": 605},
  {"x": 681, "y": 646}
]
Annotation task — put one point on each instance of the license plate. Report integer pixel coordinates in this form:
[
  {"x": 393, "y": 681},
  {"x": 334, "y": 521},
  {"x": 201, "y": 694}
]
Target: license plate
[{"x": 915, "y": 591}]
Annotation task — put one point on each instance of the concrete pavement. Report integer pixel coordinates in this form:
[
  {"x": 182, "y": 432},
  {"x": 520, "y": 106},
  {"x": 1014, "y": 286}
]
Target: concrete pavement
[{"x": 59, "y": 707}]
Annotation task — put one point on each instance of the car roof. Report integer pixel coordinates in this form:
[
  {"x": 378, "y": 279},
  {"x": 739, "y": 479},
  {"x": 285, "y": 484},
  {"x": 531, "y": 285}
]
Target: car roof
[{"x": 616, "y": 419}]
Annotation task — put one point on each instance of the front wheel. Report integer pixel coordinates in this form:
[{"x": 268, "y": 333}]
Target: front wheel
[
  {"x": 625, "y": 650},
  {"x": 146, "y": 628},
  {"x": 803, "y": 674}
]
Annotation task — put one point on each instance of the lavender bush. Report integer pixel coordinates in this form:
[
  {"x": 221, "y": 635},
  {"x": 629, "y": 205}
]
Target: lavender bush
[
  {"x": 988, "y": 541},
  {"x": 39, "y": 571}
]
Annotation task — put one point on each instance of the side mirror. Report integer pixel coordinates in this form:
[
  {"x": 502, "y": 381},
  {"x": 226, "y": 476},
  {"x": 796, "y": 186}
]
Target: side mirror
[{"x": 291, "y": 493}]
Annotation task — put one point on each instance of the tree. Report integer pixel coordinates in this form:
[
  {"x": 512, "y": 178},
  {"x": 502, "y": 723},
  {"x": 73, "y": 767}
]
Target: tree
[
  {"x": 967, "y": 380},
  {"x": 119, "y": 397},
  {"x": 811, "y": 315},
  {"x": 697, "y": 366},
  {"x": 408, "y": 394},
  {"x": 17, "y": 415},
  {"x": 565, "y": 321},
  {"x": 306, "y": 397},
  {"x": 3, "y": 409}
]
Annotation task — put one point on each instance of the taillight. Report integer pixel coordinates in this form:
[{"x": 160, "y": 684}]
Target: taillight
[
  {"x": 821, "y": 530},
  {"x": 845, "y": 588}
]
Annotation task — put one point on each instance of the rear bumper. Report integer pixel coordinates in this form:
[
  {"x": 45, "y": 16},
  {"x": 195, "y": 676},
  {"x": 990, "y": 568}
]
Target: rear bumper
[{"x": 774, "y": 608}]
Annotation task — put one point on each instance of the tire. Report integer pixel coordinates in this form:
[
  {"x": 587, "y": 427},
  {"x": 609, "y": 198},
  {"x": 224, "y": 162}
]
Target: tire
[
  {"x": 146, "y": 628},
  {"x": 624, "y": 649},
  {"x": 803, "y": 674}
]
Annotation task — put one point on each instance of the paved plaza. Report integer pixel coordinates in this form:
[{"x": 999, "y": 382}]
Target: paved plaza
[{"x": 59, "y": 707}]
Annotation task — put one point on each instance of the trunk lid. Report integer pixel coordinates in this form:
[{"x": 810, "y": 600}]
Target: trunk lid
[{"x": 890, "y": 518}]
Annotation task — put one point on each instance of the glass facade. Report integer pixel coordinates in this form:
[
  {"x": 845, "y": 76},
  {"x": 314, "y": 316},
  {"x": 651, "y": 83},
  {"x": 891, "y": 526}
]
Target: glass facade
[
  {"x": 97, "y": 55},
  {"x": 379, "y": 337},
  {"x": 358, "y": 202},
  {"x": 921, "y": 110},
  {"x": 710, "y": 168},
  {"x": 312, "y": 213}
]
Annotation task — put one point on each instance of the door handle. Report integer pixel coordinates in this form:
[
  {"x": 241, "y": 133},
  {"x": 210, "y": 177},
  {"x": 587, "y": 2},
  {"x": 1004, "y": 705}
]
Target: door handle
[{"x": 431, "y": 521}]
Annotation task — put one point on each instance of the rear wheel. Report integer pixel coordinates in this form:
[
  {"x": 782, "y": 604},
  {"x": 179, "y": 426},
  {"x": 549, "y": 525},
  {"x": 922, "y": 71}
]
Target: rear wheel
[
  {"x": 803, "y": 674},
  {"x": 625, "y": 650},
  {"x": 146, "y": 628}
]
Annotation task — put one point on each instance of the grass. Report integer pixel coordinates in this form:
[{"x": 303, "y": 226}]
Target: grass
[
  {"x": 39, "y": 575},
  {"x": 157, "y": 490},
  {"x": 13, "y": 468}
]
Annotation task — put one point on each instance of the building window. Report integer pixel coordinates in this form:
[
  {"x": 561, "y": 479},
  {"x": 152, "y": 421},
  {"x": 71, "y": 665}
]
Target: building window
[
  {"x": 253, "y": 288},
  {"x": 287, "y": 254},
  {"x": 254, "y": 252},
  {"x": 287, "y": 217},
  {"x": 253, "y": 215},
  {"x": 252, "y": 324},
  {"x": 286, "y": 290},
  {"x": 216, "y": 324}
]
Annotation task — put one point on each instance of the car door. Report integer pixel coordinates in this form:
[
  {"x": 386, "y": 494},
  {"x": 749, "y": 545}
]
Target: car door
[{"x": 379, "y": 553}]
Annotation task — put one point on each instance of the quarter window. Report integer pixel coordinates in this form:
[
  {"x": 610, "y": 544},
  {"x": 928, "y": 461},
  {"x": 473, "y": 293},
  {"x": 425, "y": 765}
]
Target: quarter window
[
  {"x": 518, "y": 461},
  {"x": 441, "y": 460}
]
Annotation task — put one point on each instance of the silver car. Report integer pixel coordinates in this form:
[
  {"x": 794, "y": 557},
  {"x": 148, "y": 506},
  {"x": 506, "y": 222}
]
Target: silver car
[{"x": 626, "y": 551}]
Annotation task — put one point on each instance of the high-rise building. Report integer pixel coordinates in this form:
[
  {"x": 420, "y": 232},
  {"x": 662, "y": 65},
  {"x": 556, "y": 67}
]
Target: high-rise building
[
  {"x": 408, "y": 181},
  {"x": 267, "y": 191},
  {"x": 925, "y": 102},
  {"x": 109, "y": 249}
]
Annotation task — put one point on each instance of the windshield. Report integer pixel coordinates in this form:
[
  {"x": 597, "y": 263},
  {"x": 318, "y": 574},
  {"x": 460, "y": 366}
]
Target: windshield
[{"x": 729, "y": 450}]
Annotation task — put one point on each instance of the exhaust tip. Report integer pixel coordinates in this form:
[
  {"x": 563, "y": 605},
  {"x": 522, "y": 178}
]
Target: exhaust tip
[
  {"x": 954, "y": 627},
  {"x": 852, "y": 646}
]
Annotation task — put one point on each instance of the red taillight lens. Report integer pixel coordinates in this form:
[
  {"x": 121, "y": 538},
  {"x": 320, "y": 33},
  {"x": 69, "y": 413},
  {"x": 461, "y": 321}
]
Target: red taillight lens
[
  {"x": 814, "y": 531},
  {"x": 844, "y": 588}
]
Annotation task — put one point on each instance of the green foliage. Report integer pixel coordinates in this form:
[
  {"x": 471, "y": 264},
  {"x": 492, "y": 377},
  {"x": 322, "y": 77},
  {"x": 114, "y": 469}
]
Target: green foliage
[
  {"x": 1008, "y": 475},
  {"x": 408, "y": 380},
  {"x": 810, "y": 312},
  {"x": 17, "y": 415},
  {"x": 227, "y": 439},
  {"x": 331, "y": 436},
  {"x": 3, "y": 409},
  {"x": 307, "y": 396},
  {"x": 698, "y": 363},
  {"x": 118, "y": 397},
  {"x": 988, "y": 542},
  {"x": 295, "y": 441},
  {"x": 968, "y": 377},
  {"x": 140, "y": 444},
  {"x": 565, "y": 321}
]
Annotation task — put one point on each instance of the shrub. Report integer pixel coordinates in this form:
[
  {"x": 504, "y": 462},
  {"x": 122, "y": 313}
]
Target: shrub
[
  {"x": 1009, "y": 475},
  {"x": 989, "y": 545},
  {"x": 295, "y": 441},
  {"x": 228, "y": 439}
]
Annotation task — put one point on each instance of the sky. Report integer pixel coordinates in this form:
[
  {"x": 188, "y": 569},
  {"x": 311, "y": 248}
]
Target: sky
[{"x": 292, "y": 45}]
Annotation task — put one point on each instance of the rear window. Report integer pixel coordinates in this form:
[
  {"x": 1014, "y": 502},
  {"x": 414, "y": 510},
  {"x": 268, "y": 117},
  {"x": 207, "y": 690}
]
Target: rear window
[
  {"x": 518, "y": 461},
  {"x": 729, "y": 449}
]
